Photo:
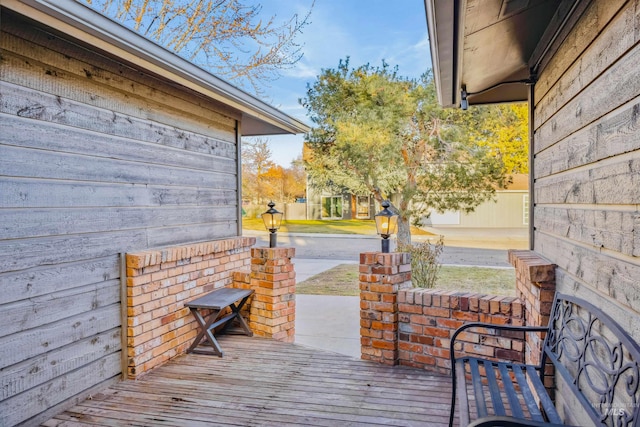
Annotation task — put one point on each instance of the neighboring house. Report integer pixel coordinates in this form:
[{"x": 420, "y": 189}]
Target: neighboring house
[
  {"x": 328, "y": 205},
  {"x": 577, "y": 63},
  {"x": 108, "y": 144},
  {"x": 510, "y": 209}
]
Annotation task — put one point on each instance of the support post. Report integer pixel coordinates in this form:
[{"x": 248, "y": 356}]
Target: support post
[
  {"x": 382, "y": 275},
  {"x": 273, "y": 308}
]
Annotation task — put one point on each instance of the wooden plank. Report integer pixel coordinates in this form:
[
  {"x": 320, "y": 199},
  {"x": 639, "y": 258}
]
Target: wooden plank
[
  {"x": 613, "y": 88},
  {"x": 298, "y": 386},
  {"x": 166, "y": 236},
  {"x": 42, "y": 69},
  {"x": 30, "y": 163},
  {"x": 40, "y": 369},
  {"x": 614, "y": 134},
  {"x": 18, "y": 131},
  {"x": 83, "y": 61},
  {"x": 609, "y": 229},
  {"x": 28, "y": 253},
  {"x": 23, "y": 223},
  {"x": 37, "y": 311},
  {"x": 604, "y": 32},
  {"x": 615, "y": 182},
  {"x": 35, "y": 342},
  {"x": 26, "y": 102},
  {"x": 614, "y": 277},
  {"x": 35, "y": 282},
  {"x": 30, "y": 403},
  {"x": 39, "y": 193}
]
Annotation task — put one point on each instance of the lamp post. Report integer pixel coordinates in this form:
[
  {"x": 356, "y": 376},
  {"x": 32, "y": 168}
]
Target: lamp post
[
  {"x": 386, "y": 223},
  {"x": 272, "y": 219}
]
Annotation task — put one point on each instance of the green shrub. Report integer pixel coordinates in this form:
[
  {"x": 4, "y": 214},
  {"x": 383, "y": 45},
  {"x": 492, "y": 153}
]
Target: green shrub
[{"x": 424, "y": 262}]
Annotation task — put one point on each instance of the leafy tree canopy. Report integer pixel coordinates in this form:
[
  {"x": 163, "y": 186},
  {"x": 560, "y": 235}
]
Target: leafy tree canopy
[{"x": 378, "y": 133}]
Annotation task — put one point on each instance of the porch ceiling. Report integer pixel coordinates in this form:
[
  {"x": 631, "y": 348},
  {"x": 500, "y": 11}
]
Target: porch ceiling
[{"x": 482, "y": 44}]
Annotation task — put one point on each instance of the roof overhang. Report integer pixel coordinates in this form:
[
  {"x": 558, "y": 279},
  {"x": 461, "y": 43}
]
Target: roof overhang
[
  {"x": 83, "y": 23},
  {"x": 491, "y": 48}
]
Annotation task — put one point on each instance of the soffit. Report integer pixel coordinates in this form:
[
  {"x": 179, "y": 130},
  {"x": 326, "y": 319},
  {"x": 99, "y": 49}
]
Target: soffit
[{"x": 481, "y": 44}]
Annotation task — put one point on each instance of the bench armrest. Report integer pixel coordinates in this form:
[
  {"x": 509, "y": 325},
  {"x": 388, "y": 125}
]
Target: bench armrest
[{"x": 501, "y": 421}]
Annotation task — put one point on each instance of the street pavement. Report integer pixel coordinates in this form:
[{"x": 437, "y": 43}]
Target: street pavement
[{"x": 487, "y": 248}]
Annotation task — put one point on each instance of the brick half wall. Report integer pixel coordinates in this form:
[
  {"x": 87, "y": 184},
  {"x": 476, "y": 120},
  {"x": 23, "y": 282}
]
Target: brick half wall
[
  {"x": 428, "y": 318},
  {"x": 160, "y": 281}
]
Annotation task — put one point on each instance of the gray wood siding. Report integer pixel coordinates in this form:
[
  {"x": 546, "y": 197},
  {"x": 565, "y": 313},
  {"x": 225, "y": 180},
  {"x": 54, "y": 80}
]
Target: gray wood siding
[
  {"x": 587, "y": 160},
  {"x": 96, "y": 158}
]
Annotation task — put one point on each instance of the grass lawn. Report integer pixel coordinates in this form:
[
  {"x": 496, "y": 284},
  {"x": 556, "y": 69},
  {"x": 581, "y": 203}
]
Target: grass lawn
[
  {"x": 342, "y": 226},
  {"x": 343, "y": 280}
]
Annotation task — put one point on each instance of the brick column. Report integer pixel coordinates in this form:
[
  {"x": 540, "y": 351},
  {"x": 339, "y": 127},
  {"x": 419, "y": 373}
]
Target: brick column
[
  {"x": 536, "y": 287},
  {"x": 382, "y": 275},
  {"x": 273, "y": 307}
]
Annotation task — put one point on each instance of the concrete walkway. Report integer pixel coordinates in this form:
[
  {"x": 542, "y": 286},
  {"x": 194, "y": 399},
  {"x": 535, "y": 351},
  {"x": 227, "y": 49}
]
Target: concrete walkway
[{"x": 327, "y": 322}]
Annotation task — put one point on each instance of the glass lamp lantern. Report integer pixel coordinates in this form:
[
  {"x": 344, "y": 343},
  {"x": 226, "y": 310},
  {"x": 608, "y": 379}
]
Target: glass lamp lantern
[
  {"x": 386, "y": 224},
  {"x": 272, "y": 219}
]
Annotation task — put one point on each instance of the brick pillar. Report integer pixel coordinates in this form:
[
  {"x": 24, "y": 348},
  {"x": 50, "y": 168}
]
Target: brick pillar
[
  {"x": 536, "y": 287},
  {"x": 382, "y": 275},
  {"x": 273, "y": 307}
]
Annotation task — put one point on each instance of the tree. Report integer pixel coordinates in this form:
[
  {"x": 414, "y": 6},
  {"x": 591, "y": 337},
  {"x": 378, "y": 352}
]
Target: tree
[
  {"x": 263, "y": 180},
  {"x": 380, "y": 134},
  {"x": 228, "y": 37},
  {"x": 504, "y": 130},
  {"x": 256, "y": 161},
  {"x": 295, "y": 180}
]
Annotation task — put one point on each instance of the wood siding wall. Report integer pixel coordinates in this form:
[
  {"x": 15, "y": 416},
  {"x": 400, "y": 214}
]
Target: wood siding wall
[
  {"x": 587, "y": 160},
  {"x": 96, "y": 158}
]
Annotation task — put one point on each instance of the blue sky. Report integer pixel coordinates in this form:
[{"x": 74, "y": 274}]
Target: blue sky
[{"x": 367, "y": 31}]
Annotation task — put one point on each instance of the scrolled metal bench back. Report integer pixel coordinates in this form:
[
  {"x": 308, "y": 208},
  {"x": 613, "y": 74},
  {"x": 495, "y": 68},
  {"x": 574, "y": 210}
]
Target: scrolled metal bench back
[{"x": 597, "y": 359}]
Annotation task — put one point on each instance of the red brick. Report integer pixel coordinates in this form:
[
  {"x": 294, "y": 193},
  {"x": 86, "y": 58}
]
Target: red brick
[
  {"x": 465, "y": 315},
  {"x": 449, "y": 323},
  {"x": 424, "y": 359},
  {"x": 410, "y": 308},
  {"x": 435, "y": 332},
  {"x": 436, "y": 311},
  {"x": 385, "y": 345}
]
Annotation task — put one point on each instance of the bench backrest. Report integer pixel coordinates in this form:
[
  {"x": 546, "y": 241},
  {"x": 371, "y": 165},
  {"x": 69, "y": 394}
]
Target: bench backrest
[{"x": 597, "y": 359}]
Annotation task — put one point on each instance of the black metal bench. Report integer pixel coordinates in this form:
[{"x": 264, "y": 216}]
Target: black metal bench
[
  {"x": 207, "y": 311},
  {"x": 595, "y": 360}
]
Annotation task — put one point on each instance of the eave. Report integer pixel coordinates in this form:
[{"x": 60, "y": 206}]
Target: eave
[
  {"x": 83, "y": 23},
  {"x": 492, "y": 48}
]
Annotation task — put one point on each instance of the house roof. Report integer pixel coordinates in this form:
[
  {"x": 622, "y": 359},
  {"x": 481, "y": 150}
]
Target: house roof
[
  {"x": 83, "y": 23},
  {"x": 492, "y": 48}
]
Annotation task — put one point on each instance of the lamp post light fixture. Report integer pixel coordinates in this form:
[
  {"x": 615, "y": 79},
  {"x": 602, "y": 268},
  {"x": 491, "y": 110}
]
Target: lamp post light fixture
[
  {"x": 272, "y": 219},
  {"x": 386, "y": 224}
]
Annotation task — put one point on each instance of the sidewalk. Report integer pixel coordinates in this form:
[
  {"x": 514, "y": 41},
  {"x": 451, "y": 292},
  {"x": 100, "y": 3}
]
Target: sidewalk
[{"x": 327, "y": 322}]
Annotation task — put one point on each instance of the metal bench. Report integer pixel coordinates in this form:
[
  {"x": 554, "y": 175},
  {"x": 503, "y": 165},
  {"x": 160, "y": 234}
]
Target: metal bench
[
  {"x": 207, "y": 311},
  {"x": 594, "y": 358}
]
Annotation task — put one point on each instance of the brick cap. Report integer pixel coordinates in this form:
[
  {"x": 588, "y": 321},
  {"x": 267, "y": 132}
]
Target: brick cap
[{"x": 180, "y": 252}]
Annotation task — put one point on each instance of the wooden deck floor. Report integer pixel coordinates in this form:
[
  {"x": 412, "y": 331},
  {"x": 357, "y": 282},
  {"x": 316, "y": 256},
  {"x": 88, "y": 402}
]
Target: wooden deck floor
[{"x": 267, "y": 383}]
